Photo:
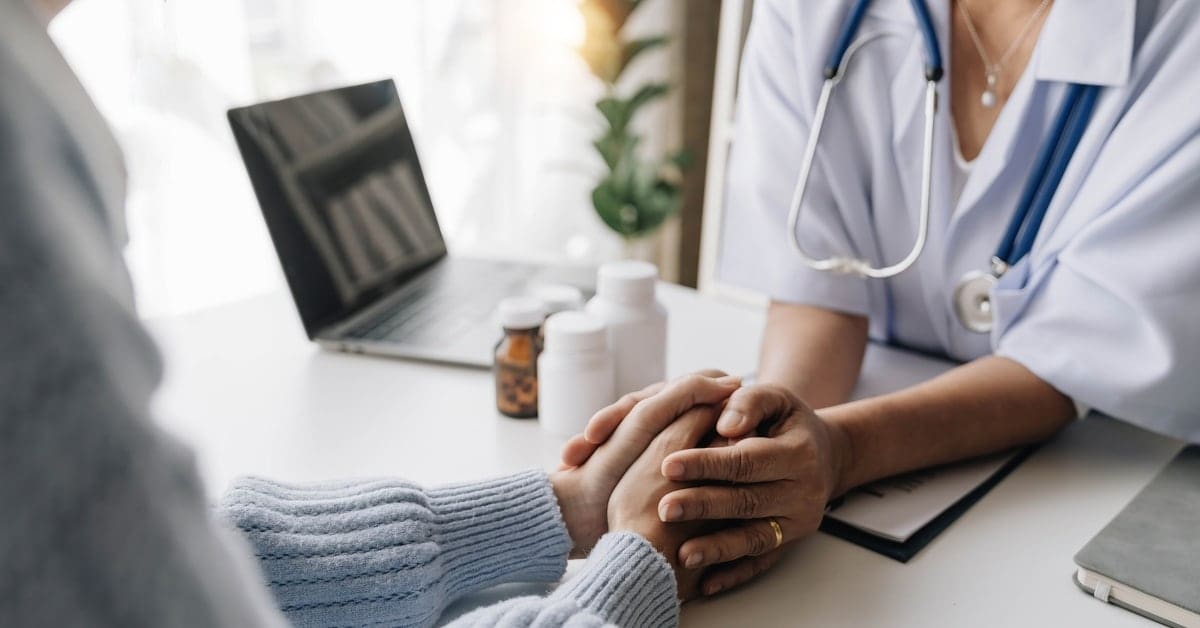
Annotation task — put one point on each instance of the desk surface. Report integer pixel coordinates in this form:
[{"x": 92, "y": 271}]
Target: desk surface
[{"x": 251, "y": 395}]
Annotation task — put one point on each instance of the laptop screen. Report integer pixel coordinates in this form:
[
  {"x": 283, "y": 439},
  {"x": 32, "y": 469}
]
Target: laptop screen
[{"x": 339, "y": 183}]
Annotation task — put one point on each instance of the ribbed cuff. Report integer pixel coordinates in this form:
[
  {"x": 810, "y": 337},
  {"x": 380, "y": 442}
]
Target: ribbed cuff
[
  {"x": 503, "y": 530},
  {"x": 626, "y": 582}
]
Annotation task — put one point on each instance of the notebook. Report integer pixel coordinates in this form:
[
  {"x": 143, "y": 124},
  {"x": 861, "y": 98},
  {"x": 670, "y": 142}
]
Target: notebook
[
  {"x": 897, "y": 517},
  {"x": 1147, "y": 559}
]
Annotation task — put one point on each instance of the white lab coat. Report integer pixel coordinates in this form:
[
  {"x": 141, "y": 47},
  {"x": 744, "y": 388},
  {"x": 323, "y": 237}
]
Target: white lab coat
[{"x": 1106, "y": 307}]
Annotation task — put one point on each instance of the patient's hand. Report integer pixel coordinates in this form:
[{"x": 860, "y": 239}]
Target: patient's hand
[
  {"x": 635, "y": 501},
  {"x": 583, "y": 491},
  {"x": 653, "y": 407}
]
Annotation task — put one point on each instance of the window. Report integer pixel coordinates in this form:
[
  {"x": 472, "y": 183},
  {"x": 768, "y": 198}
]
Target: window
[{"x": 500, "y": 103}]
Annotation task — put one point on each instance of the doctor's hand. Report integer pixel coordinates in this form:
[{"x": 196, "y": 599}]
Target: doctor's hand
[
  {"x": 583, "y": 487},
  {"x": 784, "y": 464}
]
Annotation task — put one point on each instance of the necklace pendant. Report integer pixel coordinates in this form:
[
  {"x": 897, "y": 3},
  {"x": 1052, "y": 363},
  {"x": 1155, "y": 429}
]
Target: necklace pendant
[{"x": 988, "y": 98}]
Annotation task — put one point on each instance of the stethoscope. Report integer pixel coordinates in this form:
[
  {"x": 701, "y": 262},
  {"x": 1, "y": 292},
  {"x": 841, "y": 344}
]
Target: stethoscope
[{"x": 972, "y": 295}]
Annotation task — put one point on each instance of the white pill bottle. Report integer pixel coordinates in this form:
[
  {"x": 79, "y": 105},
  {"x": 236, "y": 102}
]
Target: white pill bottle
[
  {"x": 575, "y": 372},
  {"x": 637, "y": 323}
]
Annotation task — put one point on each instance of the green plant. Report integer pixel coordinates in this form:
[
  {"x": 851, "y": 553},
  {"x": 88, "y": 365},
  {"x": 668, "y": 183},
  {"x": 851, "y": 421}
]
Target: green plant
[{"x": 636, "y": 194}]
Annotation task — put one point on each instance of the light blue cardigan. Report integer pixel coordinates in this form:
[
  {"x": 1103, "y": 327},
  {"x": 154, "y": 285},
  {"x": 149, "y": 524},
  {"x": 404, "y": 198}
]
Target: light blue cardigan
[{"x": 386, "y": 552}]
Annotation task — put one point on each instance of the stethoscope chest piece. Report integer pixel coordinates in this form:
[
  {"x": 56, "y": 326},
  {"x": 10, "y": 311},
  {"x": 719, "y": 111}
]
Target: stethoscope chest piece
[{"x": 973, "y": 301}]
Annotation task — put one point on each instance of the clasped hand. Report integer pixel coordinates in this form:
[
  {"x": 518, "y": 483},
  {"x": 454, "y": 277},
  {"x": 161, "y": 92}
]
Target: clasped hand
[{"x": 700, "y": 467}]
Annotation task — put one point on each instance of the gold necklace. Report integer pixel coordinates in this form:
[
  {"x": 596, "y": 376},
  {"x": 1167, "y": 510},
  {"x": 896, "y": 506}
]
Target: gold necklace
[{"x": 988, "y": 97}]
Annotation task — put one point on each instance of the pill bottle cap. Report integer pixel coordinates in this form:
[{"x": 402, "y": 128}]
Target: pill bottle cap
[
  {"x": 557, "y": 297},
  {"x": 627, "y": 282},
  {"x": 575, "y": 332},
  {"x": 521, "y": 313}
]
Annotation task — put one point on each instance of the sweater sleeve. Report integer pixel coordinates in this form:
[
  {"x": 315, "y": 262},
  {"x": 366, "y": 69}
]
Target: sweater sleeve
[
  {"x": 389, "y": 552},
  {"x": 625, "y": 583}
]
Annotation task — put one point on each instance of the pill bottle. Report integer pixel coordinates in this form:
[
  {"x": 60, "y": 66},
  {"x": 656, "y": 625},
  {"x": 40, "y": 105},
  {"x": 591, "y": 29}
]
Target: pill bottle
[
  {"x": 575, "y": 373},
  {"x": 516, "y": 355},
  {"x": 637, "y": 323},
  {"x": 557, "y": 297}
]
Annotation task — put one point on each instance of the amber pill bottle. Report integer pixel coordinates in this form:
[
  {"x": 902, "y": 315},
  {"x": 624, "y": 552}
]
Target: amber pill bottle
[{"x": 516, "y": 357}]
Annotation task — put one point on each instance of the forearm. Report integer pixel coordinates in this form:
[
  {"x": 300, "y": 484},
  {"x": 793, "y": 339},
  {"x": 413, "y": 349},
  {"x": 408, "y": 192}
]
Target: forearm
[
  {"x": 391, "y": 550},
  {"x": 988, "y": 405},
  {"x": 813, "y": 352}
]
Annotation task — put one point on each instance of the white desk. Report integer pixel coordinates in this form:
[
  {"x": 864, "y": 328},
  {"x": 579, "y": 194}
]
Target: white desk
[{"x": 252, "y": 396}]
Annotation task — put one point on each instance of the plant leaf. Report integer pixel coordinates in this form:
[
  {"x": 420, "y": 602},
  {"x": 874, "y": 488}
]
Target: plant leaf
[
  {"x": 632, "y": 49},
  {"x": 615, "y": 112},
  {"x": 647, "y": 94},
  {"x": 619, "y": 112},
  {"x": 612, "y": 146},
  {"x": 681, "y": 158},
  {"x": 613, "y": 208},
  {"x": 634, "y": 200}
]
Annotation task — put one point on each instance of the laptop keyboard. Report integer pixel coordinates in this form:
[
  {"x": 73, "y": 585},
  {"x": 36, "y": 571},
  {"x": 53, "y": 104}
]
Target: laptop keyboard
[{"x": 443, "y": 303}]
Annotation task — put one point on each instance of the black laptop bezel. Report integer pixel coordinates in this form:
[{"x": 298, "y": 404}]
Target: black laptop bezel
[{"x": 304, "y": 274}]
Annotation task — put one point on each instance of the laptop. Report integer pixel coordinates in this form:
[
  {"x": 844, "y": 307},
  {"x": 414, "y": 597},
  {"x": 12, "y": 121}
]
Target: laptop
[{"x": 337, "y": 177}]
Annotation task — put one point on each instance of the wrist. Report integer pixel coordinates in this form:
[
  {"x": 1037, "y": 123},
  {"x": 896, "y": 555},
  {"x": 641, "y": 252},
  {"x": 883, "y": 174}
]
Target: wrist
[
  {"x": 565, "y": 490},
  {"x": 841, "y": 453},
  {"x": 577, "y": 512},
  {"x": 649, "y": 528}
]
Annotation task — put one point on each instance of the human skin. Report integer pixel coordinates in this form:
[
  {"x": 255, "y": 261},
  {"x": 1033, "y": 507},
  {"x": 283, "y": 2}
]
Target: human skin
[{"x": 584, "y": 490}]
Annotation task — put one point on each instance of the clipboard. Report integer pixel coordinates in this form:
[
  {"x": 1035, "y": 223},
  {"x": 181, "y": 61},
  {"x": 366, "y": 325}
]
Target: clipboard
[
  {"x": 888, "y": 369},
  {"x": 903, "y": 550}
]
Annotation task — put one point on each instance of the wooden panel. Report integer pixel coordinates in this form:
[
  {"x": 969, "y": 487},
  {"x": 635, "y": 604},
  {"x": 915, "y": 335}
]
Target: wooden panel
[{"x": 701, "y": 22}]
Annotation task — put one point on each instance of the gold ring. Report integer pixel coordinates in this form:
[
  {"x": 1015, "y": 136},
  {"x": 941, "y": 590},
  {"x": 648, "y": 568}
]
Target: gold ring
[{"x": 778, "y": 531}]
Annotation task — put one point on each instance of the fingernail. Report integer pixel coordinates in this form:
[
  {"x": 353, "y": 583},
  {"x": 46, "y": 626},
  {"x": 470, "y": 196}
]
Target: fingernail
[
  {"x": 730, "y": 421},
  {"x": 670, "y": 511},
  {"x": 729, "y": 380},
  {"x": 673, "y": 469},
  {"x": 712, "y": 589},
  {"x": 694, "y": 560}
]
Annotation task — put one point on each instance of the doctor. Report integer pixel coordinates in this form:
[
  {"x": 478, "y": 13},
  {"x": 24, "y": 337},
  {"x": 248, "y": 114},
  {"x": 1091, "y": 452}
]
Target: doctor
[{"x": 1096, "y": 307}]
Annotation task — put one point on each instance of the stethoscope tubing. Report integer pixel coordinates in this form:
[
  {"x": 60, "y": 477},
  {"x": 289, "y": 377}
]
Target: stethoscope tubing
[
  {"x": 933, "y": 53},
  {"x": 1049, "y": 166},
  {"x": 835, "y": 68}
]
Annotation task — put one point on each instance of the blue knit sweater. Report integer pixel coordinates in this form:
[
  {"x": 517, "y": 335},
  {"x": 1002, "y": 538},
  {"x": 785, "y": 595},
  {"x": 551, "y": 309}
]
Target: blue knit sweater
[{"x": 386, "y": 552}]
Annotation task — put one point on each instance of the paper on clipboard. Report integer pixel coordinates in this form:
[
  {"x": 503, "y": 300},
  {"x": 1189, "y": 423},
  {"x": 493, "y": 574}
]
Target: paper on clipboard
[{"x": 896, "y": 508}]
